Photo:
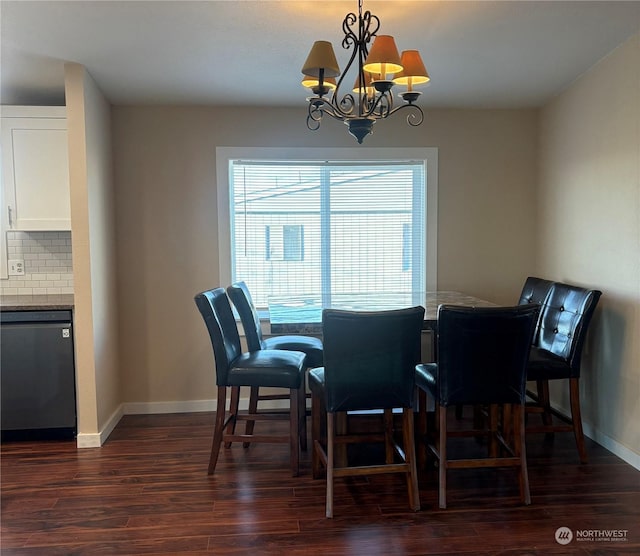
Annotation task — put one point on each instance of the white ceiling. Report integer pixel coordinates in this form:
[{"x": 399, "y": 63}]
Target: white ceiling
[{"x": 236, "y": 52}]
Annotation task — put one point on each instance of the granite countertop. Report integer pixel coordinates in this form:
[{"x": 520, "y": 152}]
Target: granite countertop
[
  {"x": 36, "y": 302},
  {"x": 303, "y": 314}
]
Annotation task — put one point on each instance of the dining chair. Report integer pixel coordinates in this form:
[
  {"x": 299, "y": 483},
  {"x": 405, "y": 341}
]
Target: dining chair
[
  {"x": 534, "y": 290},
  {"x": 369, "y": 360},
  {"x": 482, "y": 361},
  {"x": 234, "y": 369},
  {"x": 556, "y": 355},
  {"x": 310, "y": 345}
]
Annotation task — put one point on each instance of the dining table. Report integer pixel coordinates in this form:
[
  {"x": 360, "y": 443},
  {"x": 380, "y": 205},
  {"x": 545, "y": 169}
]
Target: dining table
[{"x": 302, "y": 314}]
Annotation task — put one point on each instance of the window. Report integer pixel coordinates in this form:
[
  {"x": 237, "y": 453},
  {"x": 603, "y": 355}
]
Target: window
[
  {"x": 284, "y": 243},
  {"x": 303, "y": 223}
]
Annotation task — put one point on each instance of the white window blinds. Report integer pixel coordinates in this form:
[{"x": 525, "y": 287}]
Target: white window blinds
[{"x": 329, "y": 230}]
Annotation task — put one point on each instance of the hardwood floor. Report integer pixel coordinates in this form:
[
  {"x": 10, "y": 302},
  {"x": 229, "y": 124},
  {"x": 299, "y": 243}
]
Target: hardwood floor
[{"x": 146, "y": 491}]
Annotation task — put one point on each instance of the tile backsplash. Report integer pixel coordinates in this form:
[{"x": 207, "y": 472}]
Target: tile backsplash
[{"x": 47, "y": 263}]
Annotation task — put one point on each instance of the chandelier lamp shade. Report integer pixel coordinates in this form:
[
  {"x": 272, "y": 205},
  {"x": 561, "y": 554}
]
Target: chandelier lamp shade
[{"x": 378, "y": 67}]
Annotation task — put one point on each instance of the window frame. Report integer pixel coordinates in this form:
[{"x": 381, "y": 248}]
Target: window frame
[{"x": 426, "y": 155}]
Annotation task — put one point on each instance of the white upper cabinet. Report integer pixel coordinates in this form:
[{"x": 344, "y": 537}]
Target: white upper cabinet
[{"x": 35, "y": 168}]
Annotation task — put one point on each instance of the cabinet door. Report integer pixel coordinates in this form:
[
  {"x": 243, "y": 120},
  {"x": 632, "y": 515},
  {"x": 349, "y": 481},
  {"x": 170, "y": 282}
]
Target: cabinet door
[{"x": 36, "y": 173}]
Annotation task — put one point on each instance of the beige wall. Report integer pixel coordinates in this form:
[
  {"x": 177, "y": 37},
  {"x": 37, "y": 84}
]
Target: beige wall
[
  {"x": 589, "y": 233},
  {"x": 166, "y": 211},
  {"x": 94, "y": 261}
]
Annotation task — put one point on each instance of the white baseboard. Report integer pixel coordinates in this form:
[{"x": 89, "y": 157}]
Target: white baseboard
[
  {"x": 95, "y": 440},
  {"x": 150, "y": 408},
  {"x": 193, "y": 406},
  {"x": 88, "y": 440},
  {"x": 624, "y": 453}
]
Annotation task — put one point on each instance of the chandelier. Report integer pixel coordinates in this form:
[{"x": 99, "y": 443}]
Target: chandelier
[{"x": 378, "y": 70}]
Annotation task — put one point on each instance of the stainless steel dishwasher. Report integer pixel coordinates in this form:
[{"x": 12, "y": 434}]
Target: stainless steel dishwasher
[{"x": 38, "y": 394}]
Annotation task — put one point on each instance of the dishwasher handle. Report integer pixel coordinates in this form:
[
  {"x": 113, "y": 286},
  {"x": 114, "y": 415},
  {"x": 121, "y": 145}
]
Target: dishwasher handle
[{"x": 28, "y": 317}]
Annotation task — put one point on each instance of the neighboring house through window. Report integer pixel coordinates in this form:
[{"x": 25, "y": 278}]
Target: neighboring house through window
[{"x": 335, "y": 225}]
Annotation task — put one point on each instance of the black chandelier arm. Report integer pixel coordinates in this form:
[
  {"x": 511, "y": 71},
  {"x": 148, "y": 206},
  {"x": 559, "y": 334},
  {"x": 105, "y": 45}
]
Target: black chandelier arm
[
  {"x": 336, "y": 93},
  {"x": 380, "y": 106},
  {"x": 314, "y": 117},
  {"x": 414, "y": 118},
  {"x": 319, "y": 107},
  {"x": 381, "y": 109},
  {"x": 345, "y": 106},
  {"x": 339, "y": 108}
]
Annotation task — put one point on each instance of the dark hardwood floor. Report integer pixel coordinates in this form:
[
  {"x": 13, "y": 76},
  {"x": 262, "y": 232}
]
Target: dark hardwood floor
[{"x": 146, "y": 492}]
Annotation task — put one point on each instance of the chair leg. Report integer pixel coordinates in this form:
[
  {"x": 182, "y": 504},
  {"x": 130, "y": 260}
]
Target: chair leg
[
  {"x": 544, "y": 400},
  {"x": 493, "y": 430},
  {"x": 341, "y": 426},
  {"x": 520, "y": 450},
  {"x": 576, "y": 417},
  {"x": 410, "y": 458},
  {"x": 316, "y": 434},
  {"x": 507, "y": 424},
  {"x": 330, "y": 453},
  {"x": 253, "y": 408},
  {"x": 218, "y": 429},
  {"x": 421, "y": 439},
  {"x": 442, "y": 457},
  {"x": 294, "y": 430},
  {"x": 233, "y": 411},
  {"x": 389, "y": 450},
  {"x": 302, "y": 416}
]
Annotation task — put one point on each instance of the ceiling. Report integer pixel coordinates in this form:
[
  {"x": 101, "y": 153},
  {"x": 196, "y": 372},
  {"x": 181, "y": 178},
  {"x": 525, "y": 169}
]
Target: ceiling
[{"x": 479, "y": 54}]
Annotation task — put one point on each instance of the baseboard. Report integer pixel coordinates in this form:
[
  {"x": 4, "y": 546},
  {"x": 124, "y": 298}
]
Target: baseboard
[
  {"x": 95, "y": 440},
  {"x": 193, "y": 406},
  {"x": 150, "y": 408},
  {"x": 624, "y": 453}
]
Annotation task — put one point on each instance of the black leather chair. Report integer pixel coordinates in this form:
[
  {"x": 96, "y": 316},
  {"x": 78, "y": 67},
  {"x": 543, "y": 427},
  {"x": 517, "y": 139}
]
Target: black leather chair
[
  {"x": 269, "y": 368},
  {"x": 369, "y": 361},
  {"x": 311, "y": 346},
  {"x": 556, "y": 354},
  {"x": 241, "y": 298},
  {"x": 535, "y": 290},
  {"x": 482, "y": 360}
]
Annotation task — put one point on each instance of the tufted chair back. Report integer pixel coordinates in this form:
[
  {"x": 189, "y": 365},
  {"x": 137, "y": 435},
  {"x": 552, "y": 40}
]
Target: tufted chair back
[
  {"x": 221, "y": 324},
  {"x": 482, "y": 353},
  {"x": 564, "y": 321},
  {"x": 535, "y": 290}
]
